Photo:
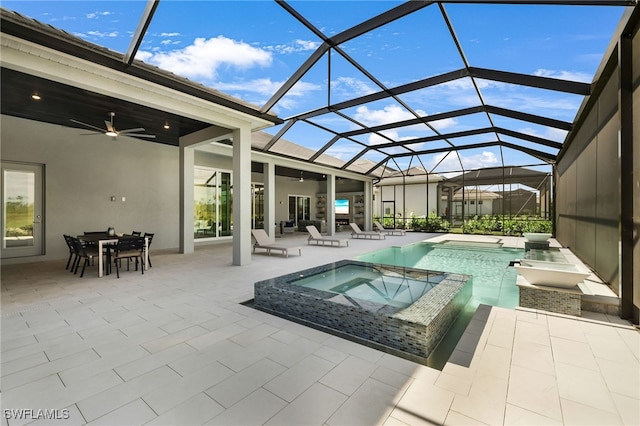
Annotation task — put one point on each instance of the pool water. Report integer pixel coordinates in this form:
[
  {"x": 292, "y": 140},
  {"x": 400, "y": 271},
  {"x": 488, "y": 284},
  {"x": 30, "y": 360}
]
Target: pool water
[
  {"x": 374, "y": 283},
  {"x": 494, "y": 282}
]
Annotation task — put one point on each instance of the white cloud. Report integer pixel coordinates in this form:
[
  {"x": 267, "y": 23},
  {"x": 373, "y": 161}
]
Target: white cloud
[
  {"x": 294, "y": 47},
  {"x": 267, "y": 87},
  {"x": 564, "y": 75},
  {"x": 99, "y": 34},
  {"x": 352, "y": 87},
  {"x": 475, "y": 161},
  {"x": 203, "y": 58},
  {"x": 169, "y": 34},
  {"x": 95, "y": 15},
  {"x": 389, "y": 114},
  {"x": 170, "y": 42},
  {"x": 553, "y": 134},
  {"x": 394, "y": 113}
]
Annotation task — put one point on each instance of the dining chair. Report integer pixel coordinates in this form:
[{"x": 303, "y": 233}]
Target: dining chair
[
  {"x": 72, "y": 251},
  {"x": 136, "y": 233},
  {"x": 150, "y": 237},
  {"x": 83, "y": 252},
  {"x": 130, "y": 248}
]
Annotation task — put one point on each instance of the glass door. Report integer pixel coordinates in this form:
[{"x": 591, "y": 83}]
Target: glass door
[
  {"x": 22, "y": 210},
  {"x": 299, "y": 208},
  {"x": 213, "y": 203},
  {"x": 257, "y": 206}
]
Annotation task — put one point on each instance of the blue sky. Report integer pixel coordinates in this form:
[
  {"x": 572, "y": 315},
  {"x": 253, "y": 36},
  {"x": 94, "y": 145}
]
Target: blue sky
[{"x": 249, "y": 48}]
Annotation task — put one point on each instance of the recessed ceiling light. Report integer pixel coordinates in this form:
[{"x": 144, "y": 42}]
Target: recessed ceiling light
[{"x": 35, "y": 97}]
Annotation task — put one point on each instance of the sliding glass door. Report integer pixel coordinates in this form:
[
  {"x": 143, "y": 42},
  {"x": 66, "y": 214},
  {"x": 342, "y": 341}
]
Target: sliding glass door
[{"x": 299, "y": 208}]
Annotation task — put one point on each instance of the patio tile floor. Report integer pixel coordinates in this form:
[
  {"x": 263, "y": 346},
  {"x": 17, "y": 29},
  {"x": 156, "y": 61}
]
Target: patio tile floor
[{"x": 175, "y": 347}]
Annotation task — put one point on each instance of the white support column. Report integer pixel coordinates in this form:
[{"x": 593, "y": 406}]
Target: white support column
[
  {"x": 269, "y": 172},
  {"x": 331, "y": 204},
  {"x": 368, "y": 210},
  {"x": 186, "y": 199},
  {"x": 242, "y": 196}
]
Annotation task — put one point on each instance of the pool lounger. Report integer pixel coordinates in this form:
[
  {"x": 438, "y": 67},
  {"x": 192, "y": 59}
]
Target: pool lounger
[
  {"x": 358, "y": 233},
  {"x": 317, "y": 237},
  {"x": 263, "y": 242},
  {"x": 389, "y": 231}
]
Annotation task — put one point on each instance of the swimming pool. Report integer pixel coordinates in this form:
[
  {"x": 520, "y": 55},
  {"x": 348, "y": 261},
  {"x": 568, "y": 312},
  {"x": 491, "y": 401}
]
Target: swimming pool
[{"x": 494, "y": 283}]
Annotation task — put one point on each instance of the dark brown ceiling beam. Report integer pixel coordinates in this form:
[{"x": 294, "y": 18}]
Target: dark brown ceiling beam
[
  {"x": 531, "y": 118},
  {"x": 414, "y": 121},
  {"x": 533, "y": 152},
  {"x": 355, "y": 158},
  {"x": 136, "y": 40},
  {"x": 300, "y": 72},
  {"x": 377, "y": 21},
  {"x": 459, "y": 134},
  {"x": 544, "y": 156},
  {"x": 371, "y": 24},
  {"x": 535, "y": 139},
  {"x": 474, "y": 132},
  {"x": 278, "y": 135},
  {"x": 539, "y": 82},
  {"x": 324, "y": 148},
  {"x": 417, "y": 85}
]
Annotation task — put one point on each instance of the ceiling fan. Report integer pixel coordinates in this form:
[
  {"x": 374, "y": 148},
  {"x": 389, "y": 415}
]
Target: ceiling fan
[{"x": 110, "y": 129}]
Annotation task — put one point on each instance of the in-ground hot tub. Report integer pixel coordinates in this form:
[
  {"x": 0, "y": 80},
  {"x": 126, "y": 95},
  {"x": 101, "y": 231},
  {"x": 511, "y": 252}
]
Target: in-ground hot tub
[{"x": 405, "y": 309}]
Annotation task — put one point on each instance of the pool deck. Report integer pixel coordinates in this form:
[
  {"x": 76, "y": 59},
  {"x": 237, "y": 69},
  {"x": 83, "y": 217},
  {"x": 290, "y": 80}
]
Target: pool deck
[{"x": 175, "y": 347}]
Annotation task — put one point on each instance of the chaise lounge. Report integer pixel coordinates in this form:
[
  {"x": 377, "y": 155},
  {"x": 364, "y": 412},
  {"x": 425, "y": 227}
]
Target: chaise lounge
[
  {"x": 358, "y": 233},
  {"x": 264, "y": 242},
  {"x": 317, "y": 237},
  {"x": 389, "y": 231}
]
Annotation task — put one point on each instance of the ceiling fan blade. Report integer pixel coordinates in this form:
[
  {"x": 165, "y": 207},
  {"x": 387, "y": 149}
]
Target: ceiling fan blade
[
  {"x": 109, "y": 126},
  {"x": 137, "y": 129},
  {"x": 91, "y": 134},
  {"x": 88, "y": 125}
]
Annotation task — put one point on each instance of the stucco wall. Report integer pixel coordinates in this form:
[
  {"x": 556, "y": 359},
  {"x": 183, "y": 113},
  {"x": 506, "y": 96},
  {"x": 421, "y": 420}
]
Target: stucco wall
[
  {"x": 83, "y": 172},
  {"x": 412, "y": 200}
]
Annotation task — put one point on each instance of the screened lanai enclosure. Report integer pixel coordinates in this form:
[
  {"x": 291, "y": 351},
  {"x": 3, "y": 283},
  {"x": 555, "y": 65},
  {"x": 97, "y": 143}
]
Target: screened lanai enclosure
[
  {"x": 496, "y": 116},
  {"x": 503, "y": 200}
]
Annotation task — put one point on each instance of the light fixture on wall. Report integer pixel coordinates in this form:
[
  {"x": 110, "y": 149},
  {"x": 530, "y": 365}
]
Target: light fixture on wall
[
  {"x": 36, "y": 96},
  {"x": 301, "y": 178}
]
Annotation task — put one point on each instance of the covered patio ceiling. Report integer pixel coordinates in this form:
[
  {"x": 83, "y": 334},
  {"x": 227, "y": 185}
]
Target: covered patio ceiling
[{"x": 494, "y": 117}]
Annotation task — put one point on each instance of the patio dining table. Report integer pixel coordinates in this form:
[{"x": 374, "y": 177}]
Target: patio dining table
[{"x": 105, "y": 239}]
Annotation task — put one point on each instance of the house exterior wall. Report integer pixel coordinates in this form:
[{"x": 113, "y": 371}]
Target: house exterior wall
[
  {"x": 413, "y": 200},
  {"x": 83, "y": 172}
]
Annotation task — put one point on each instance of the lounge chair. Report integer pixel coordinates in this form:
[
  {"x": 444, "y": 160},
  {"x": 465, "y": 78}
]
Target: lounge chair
[
  {"x": 358, "y": 233},
  {"x": 264, "y": 242},
  {"x": 317, "y": 237},
  {"x": 389, "y": 231}
]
